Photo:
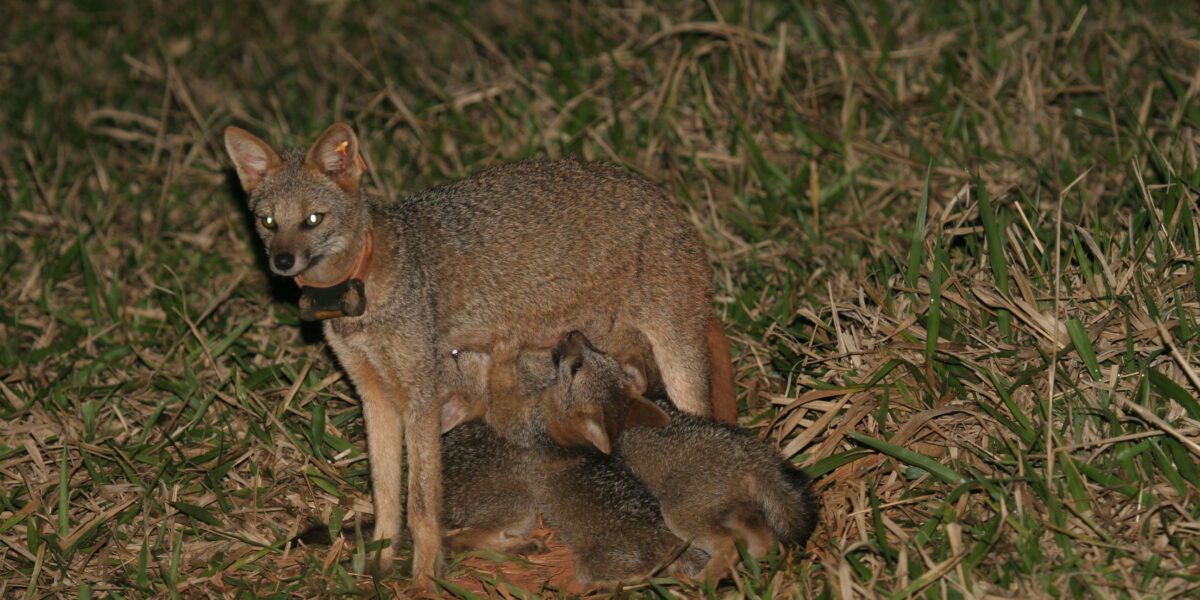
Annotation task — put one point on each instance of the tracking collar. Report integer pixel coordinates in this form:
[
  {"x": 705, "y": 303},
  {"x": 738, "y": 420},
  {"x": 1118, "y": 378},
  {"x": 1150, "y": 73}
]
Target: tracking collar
[{"x": 343, "y": 297}]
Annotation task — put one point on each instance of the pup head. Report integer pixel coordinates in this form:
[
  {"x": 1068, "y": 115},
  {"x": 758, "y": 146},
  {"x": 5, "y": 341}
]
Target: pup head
[
  {"x": 306, "y": 205},
  {"x": 465, "y": 381},
  {"x": 594, "y": 398}
]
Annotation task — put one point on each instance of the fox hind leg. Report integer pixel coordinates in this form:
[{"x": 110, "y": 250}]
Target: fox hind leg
[{"x": 682, "y": 355}]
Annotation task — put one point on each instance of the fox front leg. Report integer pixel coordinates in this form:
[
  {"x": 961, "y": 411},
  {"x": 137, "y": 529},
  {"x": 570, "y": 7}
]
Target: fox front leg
[
  {"x": 383, "y": 409},
  {"x": 424, "y": 486}
]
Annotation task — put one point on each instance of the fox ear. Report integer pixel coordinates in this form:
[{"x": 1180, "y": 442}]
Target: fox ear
[
  {"x": 253, "y": 158},
  {"x": 637, "y": 379},
  {"x": 644, "y": 413},
  {"x": 455, "y": 412},
  {"x": 594, "y": 432},
  {"x": 335, "y": 155},
  {"x": 579, "y": 432}
]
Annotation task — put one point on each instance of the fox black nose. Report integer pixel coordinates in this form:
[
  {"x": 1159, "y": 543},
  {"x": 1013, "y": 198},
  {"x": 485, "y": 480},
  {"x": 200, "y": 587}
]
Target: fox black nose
[{"x": 284, "y": 261}]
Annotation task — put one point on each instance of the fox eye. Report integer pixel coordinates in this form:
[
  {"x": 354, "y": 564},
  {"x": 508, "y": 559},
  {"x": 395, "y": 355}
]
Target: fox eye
[
  {"x": 575, "y": 366},
  {"x": 314, "y": 219},
  {"x": 268, "y": 221}
]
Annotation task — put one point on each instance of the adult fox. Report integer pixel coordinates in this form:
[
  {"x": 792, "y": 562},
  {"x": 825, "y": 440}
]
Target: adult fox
[{"x": 524, "y": 251}]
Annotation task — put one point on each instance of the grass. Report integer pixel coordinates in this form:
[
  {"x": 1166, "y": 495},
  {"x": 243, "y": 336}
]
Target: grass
[{"x": 955, "y": 246}]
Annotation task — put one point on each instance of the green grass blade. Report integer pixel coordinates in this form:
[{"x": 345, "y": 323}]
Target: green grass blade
[
  {"x": 933, "y": 319},
  {"x": 64, "y": 495},
  {"x": 199, "y": 513},
  {"x": 916, "y": 248},
  {"x": 994, "y": 236},
  {"x": 1174, "y": 391},
  {"x": 832, "y": 463},
  {"x": 907, "y": 456},
  {"x": 1083, "y": 346}
]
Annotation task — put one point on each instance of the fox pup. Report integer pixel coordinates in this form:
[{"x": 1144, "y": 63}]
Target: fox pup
[
  {"x": 487, "y": 501},
  {"x": 717, "y": 484},
  {"x": 522, "y": 251},
  {"x": 601, "y": 511}
]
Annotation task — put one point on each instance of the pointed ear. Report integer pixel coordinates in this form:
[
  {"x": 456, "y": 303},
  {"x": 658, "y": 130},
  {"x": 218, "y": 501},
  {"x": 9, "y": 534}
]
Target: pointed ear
[
  {"x": 594, "y": 432},
  {"x": 644, "y": 413},
  {"x": 455, "y": 412},
  {"x": 579, "y": 432},
  {"x": 253, "y": 158},
  {"x": 637, "y": 379},
  {"x": 335, "y": 155}
]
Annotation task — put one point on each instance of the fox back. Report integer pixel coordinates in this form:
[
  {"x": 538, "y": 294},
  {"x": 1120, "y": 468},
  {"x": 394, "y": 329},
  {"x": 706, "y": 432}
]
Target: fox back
[
  {"x": 718, "y": 484},
  {"x": 487, "y": 501},
  {"x": 608, "y": 518}
]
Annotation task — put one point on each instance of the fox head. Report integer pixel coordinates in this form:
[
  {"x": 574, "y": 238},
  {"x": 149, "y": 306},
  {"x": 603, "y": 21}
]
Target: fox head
[
  {"x": 306, "y": 205},
  {"x": 594, "y": 398}
]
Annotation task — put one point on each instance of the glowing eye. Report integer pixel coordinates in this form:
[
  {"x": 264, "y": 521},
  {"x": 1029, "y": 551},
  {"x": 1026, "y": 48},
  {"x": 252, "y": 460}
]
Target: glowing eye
[
  {"x": 454, "y": 354},
  {"x": 314, "y": 219},
  {"x": 268, "y": 221}
]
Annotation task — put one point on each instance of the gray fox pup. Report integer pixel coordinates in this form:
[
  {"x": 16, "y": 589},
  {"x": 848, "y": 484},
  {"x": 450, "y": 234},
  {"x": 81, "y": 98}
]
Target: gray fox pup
[
  {"x": 601, "y": 511},
  {"x": 523, "y": 251},
  {"x": 717, "y": 485},
  {"x": 487, "y": 500}
]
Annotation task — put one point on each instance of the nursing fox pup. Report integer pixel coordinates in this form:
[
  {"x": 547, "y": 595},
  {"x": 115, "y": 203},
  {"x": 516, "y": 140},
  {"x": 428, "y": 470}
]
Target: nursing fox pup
[
  {"x": 622, "y": 479},
  {"x": 717, "y": 485},
  {"x": 600, "y": 510},
  {"x": 523, "y": 251}
]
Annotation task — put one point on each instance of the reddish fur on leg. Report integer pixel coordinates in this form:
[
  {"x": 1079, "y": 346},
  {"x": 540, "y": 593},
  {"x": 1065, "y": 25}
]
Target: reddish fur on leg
[
  {"x": 724, "y": 400},
  {"x": 383, "y": 407},
  {"x": 424, "y": 493}
]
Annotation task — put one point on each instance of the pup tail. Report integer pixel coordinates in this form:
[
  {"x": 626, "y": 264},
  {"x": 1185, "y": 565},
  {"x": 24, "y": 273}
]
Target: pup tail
[{"x": 788, "y": 502}]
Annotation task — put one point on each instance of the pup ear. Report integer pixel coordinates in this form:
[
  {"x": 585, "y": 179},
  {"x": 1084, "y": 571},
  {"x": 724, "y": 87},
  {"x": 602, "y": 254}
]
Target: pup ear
[
  {"x": 579, "y": 431},
  {"x": 253, "y": 158},
  {"x": 335, "y": 155},
  {"x": 594, "y": 432},
  {"x": 637, "y": 378},
  {"x": 644, "y": 413},
  {"x": 456, "y": 411}
]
